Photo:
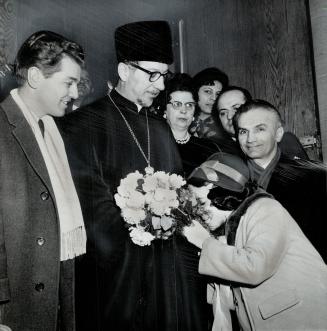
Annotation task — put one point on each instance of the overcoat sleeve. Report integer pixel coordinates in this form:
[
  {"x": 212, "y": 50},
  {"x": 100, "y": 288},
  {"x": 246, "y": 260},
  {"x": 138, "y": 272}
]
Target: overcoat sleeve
[
  {"x": 261, "y": 243},
  {"x": 4, "y": 281}
]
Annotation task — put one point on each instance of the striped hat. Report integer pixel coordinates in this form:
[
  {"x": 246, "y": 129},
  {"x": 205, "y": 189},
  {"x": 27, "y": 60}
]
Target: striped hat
[{"x": 222, "y": 169}]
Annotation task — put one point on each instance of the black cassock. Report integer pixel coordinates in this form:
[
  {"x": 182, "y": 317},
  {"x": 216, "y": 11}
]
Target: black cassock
[{"x": 120, "y": 285}]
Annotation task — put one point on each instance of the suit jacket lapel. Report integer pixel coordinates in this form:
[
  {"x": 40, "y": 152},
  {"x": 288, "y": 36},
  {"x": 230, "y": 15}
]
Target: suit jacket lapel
[{"x": 26, "y": 139}]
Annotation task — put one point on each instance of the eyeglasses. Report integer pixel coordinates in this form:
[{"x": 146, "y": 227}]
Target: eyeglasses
[
  {"x": 153, "y": 75},
  {"x": 177, "y": 105}
]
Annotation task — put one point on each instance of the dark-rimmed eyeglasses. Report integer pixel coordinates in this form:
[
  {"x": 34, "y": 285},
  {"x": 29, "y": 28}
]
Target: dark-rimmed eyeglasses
[
  {"x": 177, "y": 105},
  {"x": 153, "y": 75}
]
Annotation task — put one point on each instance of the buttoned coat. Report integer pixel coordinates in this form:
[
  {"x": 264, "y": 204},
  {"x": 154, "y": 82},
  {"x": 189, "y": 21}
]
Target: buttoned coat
[
  {"x": 29, "y": 229},
  {"x": 280, "y": 279}
]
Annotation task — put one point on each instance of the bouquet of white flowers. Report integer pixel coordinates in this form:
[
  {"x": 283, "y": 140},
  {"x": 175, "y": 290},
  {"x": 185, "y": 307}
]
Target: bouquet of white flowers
[{"x": 156, "y": 204}]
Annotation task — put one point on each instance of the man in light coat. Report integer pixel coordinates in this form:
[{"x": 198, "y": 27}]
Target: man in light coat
[{"x": 267, "y": 270}]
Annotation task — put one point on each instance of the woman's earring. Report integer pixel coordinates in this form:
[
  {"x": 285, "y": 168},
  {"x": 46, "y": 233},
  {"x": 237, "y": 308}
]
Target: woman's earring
[{"x": 164, "y": 115}]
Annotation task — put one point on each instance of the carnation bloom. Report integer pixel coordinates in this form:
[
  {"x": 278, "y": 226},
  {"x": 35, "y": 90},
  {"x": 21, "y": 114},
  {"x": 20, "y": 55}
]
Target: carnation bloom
[
  {"x": 133, "y": 215},
  {"x": 150, "y": 184},
  {"x": 120, "y": 201},
  {"x": 176, "y": 181},
  {"x": 162, "y": 201},
  {"x": 162, "y": 194},
  {"x": 135, "y": 200},
  {"x": 129, "y": 183},
  {"x": 202, "y": 193},
  {"x": 141, "y": 237},
  {"x": 163, "y": 179}
]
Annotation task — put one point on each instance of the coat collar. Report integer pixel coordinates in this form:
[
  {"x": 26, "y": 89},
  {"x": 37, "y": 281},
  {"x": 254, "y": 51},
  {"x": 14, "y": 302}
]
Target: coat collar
[
  {"x": 26, "y": 139},
  {"x": 233, "y": 221}
]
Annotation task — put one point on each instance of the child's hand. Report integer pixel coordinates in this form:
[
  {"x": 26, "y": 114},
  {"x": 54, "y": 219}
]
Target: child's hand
[{"x": 196, "y": 234}]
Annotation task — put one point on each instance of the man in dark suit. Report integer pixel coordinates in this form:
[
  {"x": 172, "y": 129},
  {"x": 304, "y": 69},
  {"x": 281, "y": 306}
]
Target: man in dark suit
[
  {"x": 41, "y": 223},
  {"x": 299, "y": 185}
]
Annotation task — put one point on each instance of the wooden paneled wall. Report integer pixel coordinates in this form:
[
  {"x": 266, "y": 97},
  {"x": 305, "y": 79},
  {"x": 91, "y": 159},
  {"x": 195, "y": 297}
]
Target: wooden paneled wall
[
  {"x": 263, "y": 45},
  {"x": 318, "y": 13},
  {"x": 8, "y": 43}
]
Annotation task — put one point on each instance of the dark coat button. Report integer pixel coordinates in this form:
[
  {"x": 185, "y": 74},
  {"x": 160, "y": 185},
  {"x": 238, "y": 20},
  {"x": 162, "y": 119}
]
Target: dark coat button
[
  {"x": 40, "y": 241},
  {"x": 44, "y": 195},
  {"x": 141, "y": 301},
  {"x": 39, "y": 287}
]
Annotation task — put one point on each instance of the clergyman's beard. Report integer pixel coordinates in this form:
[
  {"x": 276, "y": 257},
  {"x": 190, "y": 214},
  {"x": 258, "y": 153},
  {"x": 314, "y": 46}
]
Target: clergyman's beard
[{"x": 143, "y": 103}]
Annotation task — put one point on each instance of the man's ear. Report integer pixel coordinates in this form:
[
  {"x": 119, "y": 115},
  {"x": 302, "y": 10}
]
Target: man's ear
[
  {"x": 123, "y": 71},
  {"x": 34, "y": 76},
  {"x": 279, "y": 134}
]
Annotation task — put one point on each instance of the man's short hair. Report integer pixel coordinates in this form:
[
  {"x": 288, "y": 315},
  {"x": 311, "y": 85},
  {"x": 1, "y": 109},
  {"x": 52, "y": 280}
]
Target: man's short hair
[
  {"x": 255, "y": 104},
  {"x": 45, "y": 50},
  {"x": 246, "y": 93}
]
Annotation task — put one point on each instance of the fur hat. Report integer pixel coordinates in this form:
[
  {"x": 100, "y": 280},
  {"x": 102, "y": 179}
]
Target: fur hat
[
  {"x": 222, "y": 169},
  {"x": 144, "y": 41}
]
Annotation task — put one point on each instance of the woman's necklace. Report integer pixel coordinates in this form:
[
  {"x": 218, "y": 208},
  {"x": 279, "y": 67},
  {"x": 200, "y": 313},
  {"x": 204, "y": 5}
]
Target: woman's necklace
[
  {"x": 147, "y": 158},
  {"x": 184, "y": 140}
]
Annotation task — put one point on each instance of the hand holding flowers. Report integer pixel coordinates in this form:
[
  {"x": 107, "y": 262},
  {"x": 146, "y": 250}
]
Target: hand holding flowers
[{"x": 198, "y": 232}]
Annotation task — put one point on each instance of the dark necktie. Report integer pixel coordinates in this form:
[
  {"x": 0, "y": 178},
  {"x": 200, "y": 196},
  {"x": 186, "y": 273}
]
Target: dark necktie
[{"x": 41, "y": 125}]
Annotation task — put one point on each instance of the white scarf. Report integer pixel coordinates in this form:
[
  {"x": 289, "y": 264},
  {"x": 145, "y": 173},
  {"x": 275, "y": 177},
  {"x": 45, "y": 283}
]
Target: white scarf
[{"x": 72, "y": 230}]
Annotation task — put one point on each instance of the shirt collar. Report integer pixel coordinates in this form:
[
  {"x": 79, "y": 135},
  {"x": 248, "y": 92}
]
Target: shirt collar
[
  {"x": 122, "y": 101},
  {"x": 21, "y": 104}
]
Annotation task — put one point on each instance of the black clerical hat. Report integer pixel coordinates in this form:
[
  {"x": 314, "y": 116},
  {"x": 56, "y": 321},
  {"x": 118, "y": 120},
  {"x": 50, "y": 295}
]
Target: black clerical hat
[{"x": 144, "y": 41}]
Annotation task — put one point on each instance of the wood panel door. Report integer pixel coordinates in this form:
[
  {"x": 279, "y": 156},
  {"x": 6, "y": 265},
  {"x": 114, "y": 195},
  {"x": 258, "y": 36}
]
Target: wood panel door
[{"x": 8, "y": 41}]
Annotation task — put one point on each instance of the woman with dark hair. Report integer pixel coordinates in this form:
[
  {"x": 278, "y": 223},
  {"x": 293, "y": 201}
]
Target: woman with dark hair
[
  {"x": 208, "y": 84},
  {"x": 177, "y": 104},
  {"x": 265, "y": 267}
]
